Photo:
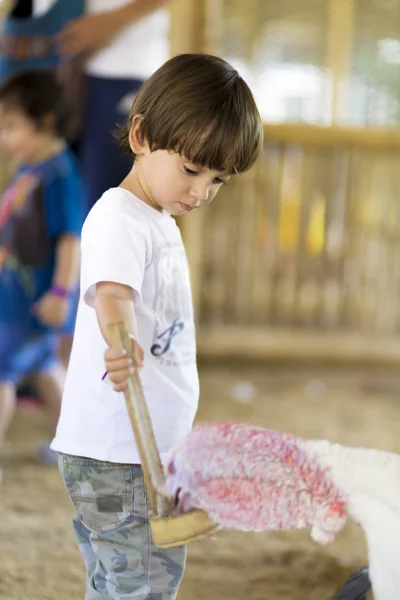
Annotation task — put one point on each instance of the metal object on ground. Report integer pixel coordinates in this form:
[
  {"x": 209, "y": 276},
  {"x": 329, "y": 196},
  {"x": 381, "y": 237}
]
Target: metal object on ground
[{"x": 356, "y": 587}]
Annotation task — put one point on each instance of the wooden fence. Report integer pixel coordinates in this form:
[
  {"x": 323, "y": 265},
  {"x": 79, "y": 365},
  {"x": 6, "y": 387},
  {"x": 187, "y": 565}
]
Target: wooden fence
[{"x": 301, "y": 256}]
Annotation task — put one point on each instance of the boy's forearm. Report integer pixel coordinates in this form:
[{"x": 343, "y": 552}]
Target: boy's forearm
[
  {"x": 66, "y": 274},
  {"x": 111, "y": 308},
  {"x": 136, "y": 10}
]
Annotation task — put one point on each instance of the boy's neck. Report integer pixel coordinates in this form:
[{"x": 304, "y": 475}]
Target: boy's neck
[
  {"x": 133, "y": 184},
  {"x": 47, "y": 150}
]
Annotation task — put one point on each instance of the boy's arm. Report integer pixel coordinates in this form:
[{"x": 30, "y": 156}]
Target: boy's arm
[
  {"x": 114, "y": 303},
  {"x": 52, "y": 307},
  {"x": 89, "y": 34},
  {"x": 66, "y": 273}
]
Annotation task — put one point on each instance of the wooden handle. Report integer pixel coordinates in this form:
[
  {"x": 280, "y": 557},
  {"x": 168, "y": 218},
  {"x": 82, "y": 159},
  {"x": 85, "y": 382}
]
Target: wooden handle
[{"x": 142, "y": 427}]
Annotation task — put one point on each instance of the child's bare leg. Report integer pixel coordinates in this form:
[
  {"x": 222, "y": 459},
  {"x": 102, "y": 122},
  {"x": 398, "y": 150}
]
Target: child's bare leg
[
  {"x": 50, "y": 385},
  {"x": 8, "y": 402}
]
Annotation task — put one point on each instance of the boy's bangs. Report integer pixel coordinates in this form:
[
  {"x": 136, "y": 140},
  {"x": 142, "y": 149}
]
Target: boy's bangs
[{"x": 225, "y": 146}]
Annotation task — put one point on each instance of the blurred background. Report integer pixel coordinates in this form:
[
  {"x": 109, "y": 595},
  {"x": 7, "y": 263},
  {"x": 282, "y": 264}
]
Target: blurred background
[{"x": 296, "y": 276}]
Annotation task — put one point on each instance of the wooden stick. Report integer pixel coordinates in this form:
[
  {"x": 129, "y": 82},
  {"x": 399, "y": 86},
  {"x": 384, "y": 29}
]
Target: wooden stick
[{"x": 142, "y": 428}]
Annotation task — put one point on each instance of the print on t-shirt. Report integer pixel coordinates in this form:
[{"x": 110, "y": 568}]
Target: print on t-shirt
[
  {"x": 24, "y": 243},
  {"x": 174, "y": 336}
]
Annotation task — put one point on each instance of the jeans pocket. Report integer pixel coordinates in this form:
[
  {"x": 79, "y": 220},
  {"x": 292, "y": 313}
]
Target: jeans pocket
[{"x": 101, "y": 492}]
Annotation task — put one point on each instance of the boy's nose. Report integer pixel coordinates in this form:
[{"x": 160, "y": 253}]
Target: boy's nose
[{"x": 201, "y": 195}]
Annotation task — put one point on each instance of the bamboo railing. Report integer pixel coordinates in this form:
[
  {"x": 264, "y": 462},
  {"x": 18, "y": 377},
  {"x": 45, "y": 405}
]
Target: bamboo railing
[{"x": 302, "y": 254}]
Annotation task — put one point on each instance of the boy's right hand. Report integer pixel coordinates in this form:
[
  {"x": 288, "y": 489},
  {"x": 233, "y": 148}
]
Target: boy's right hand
[{"x": 120, "y": 366}]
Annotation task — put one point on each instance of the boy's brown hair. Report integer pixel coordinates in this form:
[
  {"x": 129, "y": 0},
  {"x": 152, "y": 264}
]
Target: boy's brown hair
[
  {"x": 199, "y": 106},
  {"x": 38, "y": 94}
]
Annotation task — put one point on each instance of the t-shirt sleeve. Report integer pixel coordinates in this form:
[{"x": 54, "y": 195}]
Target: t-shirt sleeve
[
  {"x": 65, "y": 199},
  {"x": 114, "y": 248}
]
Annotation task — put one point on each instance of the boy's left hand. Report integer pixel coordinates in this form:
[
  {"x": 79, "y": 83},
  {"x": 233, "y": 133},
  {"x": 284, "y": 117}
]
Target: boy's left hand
[{"x": 51, "y": 309}]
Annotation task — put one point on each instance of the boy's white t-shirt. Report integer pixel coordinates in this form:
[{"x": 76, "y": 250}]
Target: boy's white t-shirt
[
  {"x": 126, "y": 241},
  {"x": 136, "y": 52}
]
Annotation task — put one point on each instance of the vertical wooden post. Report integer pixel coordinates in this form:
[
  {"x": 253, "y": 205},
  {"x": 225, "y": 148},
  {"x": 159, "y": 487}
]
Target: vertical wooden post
[
  {"x": 188, "y": 26},
  {"x": 214, "y": 12},
  {"x": 188, "y": 34},
  {"x": 338, "y": 56}
]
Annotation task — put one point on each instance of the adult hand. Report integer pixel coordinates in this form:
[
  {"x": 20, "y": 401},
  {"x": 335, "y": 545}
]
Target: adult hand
[{"x": 89, "y": 34}]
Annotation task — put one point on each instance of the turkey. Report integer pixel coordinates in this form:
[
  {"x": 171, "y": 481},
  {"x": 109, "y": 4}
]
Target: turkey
[{"x": 255, "y": 479}]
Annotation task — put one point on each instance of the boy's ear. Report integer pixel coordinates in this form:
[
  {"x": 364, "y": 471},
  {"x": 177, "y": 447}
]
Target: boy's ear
[
  {"x": 48, "y": 123},
  {"x": 136, "y": 141}
]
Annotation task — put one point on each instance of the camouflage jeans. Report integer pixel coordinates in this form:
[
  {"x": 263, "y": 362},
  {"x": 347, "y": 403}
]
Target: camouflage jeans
[{"x": 112, "y": 530}]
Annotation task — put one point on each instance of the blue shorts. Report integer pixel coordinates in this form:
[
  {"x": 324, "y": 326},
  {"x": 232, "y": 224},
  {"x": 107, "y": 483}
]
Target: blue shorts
[
  {"x": 107, "y": 105},
  {"x": 23, "y": 354}
]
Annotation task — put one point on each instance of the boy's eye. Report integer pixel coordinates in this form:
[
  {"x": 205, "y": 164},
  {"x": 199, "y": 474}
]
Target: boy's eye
[
  {"x": 190, "y": 171},
  {"x": 217, "y": 180}
]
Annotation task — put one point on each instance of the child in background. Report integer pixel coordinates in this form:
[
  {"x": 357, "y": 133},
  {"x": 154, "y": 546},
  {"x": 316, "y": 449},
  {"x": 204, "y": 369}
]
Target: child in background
[
  {"x": 41, "y": 214},
  {"x": 192, "y": 126}
]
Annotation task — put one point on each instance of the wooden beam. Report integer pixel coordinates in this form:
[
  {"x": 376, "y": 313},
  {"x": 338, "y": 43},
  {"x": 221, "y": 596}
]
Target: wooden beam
[
  {"x": 265, "y": 344},
  {"x": 306, "y": 135}
]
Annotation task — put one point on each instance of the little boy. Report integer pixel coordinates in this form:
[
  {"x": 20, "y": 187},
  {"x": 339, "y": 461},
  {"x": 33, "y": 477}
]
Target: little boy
[{"x": 192, "y": 126}]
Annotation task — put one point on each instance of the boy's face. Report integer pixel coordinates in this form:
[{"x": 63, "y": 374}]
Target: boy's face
[
  {"x": 176, "y": 185},
  {"x": 19, "y": 135},
  {"x": 168, "y": 181}
]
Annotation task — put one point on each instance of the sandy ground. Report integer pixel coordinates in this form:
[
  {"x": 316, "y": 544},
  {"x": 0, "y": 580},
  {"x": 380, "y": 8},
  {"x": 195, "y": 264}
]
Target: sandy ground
[{"x": 39, "y": 560}]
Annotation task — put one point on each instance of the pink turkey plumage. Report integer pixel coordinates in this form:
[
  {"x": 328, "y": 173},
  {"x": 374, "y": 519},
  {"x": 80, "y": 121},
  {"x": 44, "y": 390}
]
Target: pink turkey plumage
[{"x": 255, "y": 479}]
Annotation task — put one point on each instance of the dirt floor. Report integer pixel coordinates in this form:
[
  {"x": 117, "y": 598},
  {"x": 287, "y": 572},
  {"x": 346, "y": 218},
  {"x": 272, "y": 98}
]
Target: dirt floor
[{"x": 39, "y": 559}]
